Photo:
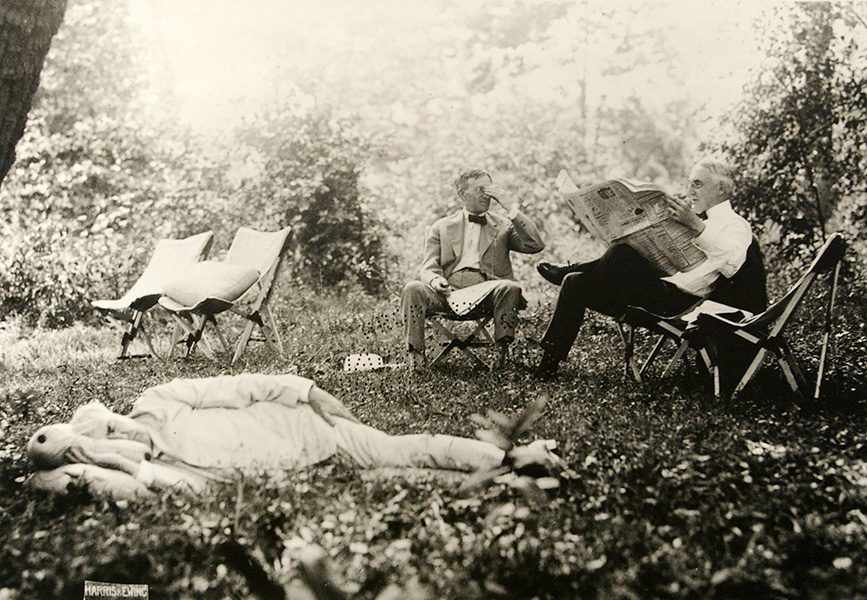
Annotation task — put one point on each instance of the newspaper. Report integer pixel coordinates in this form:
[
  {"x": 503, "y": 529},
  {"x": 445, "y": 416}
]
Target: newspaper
[
  {"x": 634, "y": 213},
  {"x": 464, "y": 300},
  {"x": 709, "y": 307}
]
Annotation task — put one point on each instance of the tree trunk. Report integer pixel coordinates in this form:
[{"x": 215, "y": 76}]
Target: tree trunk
[{"x": 26, "y": 30}]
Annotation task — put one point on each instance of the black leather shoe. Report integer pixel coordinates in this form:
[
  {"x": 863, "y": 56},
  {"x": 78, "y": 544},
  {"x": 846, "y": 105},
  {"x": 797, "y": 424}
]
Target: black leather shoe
[
  {"x": 547, "y": 368},
  {"x": 553, "y": 273}
]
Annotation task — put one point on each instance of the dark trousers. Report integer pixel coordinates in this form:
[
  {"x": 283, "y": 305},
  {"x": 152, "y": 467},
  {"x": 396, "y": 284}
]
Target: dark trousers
[{"x": 619, "y": 278}]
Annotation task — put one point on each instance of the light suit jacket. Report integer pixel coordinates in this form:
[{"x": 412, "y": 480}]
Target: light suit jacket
[{"x": 444, "y": 245}]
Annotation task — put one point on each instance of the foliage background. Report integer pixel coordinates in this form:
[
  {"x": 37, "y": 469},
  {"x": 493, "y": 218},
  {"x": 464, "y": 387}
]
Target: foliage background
[
  {"x": 356, "y": 147},
  {"x": 354, "y": 139}
]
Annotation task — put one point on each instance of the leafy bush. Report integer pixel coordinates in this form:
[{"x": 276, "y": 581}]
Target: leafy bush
[
  {"x": 800, "y": 143},
  {"x": 304, "y": 170},
  {"x": 38, "y": 282},
  {"x": 99, "y": 179}
]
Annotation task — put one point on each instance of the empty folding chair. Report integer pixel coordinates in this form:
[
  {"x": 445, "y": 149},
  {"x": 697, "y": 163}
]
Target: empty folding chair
[
  {"x": 241, "y": 283},
  {"x": 168, "y": 257},
  {"x": 764, "y": 332}
]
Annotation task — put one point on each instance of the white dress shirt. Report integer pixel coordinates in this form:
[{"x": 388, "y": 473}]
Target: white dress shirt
[
  {"x": 470, "y": 258},
  {"x": 725, "y": 240}
]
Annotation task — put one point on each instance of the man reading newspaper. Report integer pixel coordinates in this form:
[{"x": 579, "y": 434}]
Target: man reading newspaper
[
  {"x": 468, "y": 248},
  {"x": 624, "y": 277}
]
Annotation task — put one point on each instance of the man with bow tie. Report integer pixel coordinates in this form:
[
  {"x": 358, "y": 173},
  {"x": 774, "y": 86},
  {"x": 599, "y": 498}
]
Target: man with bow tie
[
  {"x": 622, "y": 277},
  {"x": 469, "y": 247}
]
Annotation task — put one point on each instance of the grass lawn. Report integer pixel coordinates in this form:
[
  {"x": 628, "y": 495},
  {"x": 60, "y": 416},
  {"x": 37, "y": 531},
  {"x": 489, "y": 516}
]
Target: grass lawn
[{"x": 670, "y": 495}]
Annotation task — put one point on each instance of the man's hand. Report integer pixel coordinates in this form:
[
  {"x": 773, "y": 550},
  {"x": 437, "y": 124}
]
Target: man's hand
[
  {"x": 441, "y": 285},
  {"x": 681, "y": 210},
  {"x": 328, "y": 407},
  {"x": 500, "y": 196}
]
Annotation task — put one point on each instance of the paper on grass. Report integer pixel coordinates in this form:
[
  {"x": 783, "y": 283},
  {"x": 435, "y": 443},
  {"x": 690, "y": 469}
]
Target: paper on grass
[
  {"x": 634, "y": 213},
  {"x": 365, "y": 362},
  {"x": 464, "y": 300}
]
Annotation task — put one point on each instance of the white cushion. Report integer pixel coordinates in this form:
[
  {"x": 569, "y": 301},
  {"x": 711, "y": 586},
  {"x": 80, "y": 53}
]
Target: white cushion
[{"x": 210, "y": 279}]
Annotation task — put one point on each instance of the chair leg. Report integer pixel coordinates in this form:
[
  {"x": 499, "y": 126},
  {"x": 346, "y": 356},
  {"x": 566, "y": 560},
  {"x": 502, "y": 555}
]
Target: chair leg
[
  {"x": 177, "y": 333},
  {"x": 271, "y": 322},
  {"x": 708, "y": 355},
  {"x": 751, "y": 370},
  {"x": 820, "y": 373},
  {"x": 130, "y": 334},
  {"x": 790, "y": 367},
  {"x": 242, "y": 341},
  {"x": 147, "y": 337},
  {"x": 207, "y": 349},
  {"x": 268, "y": 332},
  {"x": 669, "y": 368},
  {"x": 650, "y": 357},
  {"x": 194, "y": 333},
  {"x": 790, "y": 376},
  {"x": 182, "y": 327},
  {"x": 627, "y": 334},
  {"x": 219, "y": 331},
  {"x": 483, "y": 330},
  {"x": 455, "y": 341}
]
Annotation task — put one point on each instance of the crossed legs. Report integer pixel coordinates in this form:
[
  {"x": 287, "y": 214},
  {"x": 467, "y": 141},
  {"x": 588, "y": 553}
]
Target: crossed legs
[{"x": 620, "y": 278}]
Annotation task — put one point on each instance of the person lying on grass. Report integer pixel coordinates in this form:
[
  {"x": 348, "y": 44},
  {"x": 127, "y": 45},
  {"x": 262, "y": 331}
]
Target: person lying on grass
[{"x": 190, "y": 433}]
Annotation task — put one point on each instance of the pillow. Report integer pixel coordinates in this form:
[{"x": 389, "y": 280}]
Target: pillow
[
  {"x": 210, "y": 279},
  {"x": 97, "y": 480}
]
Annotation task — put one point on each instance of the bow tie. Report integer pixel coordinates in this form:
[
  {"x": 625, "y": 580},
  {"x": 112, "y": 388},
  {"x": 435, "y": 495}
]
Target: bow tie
[{"x": 480, "y": 219}]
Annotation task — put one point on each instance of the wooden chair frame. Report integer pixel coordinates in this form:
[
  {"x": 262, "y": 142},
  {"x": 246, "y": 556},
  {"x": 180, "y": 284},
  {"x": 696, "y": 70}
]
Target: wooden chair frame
[
  {"x": 478, "y": 336},
  {"x": 751, "y": 274},
  {"x": 194, "y": 319},
  {"x": 765, "y": 331},
  {"x": 667, "y": 328}
]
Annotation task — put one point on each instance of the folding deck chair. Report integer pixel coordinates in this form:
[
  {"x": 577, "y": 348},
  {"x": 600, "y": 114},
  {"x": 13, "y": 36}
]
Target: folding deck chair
[
  {"x": 745, "y": 292},
  {"x": 764, "y": 332},
  {"x": 478, "y": 335},
  {"x": 253, "y": 260},
  {"x": 168, "y": 256}
]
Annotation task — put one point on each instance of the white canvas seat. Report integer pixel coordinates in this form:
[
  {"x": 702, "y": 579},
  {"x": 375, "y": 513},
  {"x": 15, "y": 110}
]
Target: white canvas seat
[
  {"x": 241, "y": 283},
  {"x": 169, "y": 255}
]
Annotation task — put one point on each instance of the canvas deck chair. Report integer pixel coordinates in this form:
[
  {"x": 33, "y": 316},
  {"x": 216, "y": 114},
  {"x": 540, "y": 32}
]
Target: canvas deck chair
[
  {"x": 168, "y": 256},
  {"x": 444, "y": 322},
  {"x": 764, "y": 332},
  {"x": 745, "y": 292},
  {"x": 241, "y": 283}
]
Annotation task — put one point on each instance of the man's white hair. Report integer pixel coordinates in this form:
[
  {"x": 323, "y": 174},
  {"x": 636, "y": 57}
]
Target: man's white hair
[{"x": 722, "y": 171}]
